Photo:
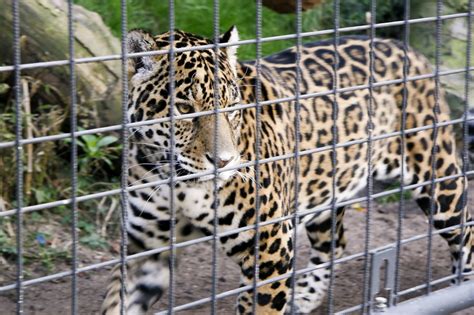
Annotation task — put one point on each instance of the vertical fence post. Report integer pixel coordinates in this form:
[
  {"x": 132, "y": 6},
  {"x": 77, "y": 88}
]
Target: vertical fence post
[
  {"x": 334, "y": 142},
  {"x": 401, "y": 205},
  {"x": 124, "y": 159},
  {"x": 258, "y": 69},
  {"x": 296, "y": 148},
  {"x": 370, "y": 183},
  {"x": 215, "y": 204},
  {"x": 465, "y": 157},
  {"x": 73, "y": 158},
  {"x": 171, "y": 88},
  {"x": 434, "y": 150},
  {"x": 18, "y": 156}
]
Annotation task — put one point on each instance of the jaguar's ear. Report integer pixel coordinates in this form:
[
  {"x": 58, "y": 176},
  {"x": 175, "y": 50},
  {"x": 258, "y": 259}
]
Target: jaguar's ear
[
  {"x": 140, "y": 41},
  {"x": 231, "y": 36}
]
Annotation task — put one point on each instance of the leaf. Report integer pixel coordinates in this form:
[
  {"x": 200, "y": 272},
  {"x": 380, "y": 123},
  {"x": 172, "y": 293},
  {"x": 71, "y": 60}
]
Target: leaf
[
  {"x": 90, "y": 140},
  {"x": 358, "y": 207},
  {"x": 106, "y": 160},
  {"x": 93, "y": 240},
  {"x": 105, "y": 141},
  {"x": 40, "y": 195}
]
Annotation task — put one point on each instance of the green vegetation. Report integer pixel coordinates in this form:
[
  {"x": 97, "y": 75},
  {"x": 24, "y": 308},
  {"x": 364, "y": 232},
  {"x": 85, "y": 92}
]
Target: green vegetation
[
  {"x": 395, "y": 197},
  {"x": 97, "y": 153},
  {"x": 7, "y": 242},
  {"x": 47, "y": 169},
  {"x": 196, "y": 16}
]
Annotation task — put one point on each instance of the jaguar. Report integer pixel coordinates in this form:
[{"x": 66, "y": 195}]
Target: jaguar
[{"x": 214, "y": 144}]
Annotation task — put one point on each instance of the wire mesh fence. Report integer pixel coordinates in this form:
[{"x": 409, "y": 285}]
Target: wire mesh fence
[{"x": 261, "y": 139}]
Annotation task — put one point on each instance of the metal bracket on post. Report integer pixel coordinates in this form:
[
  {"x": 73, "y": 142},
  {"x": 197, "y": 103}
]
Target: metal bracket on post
[{"x": 387, "y": 258}]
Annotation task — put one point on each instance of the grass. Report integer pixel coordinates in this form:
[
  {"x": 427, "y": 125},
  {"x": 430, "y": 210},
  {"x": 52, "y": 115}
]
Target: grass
[{"x": 196, "y": 16}]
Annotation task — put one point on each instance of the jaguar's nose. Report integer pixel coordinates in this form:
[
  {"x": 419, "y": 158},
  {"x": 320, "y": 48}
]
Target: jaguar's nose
[
  {"x": 223, "y": 163},
  {"x": 220, "y": 161}
]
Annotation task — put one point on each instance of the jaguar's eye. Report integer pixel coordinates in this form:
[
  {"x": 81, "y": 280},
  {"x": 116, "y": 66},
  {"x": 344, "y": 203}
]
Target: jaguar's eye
[{"x": 184, "y": 108}]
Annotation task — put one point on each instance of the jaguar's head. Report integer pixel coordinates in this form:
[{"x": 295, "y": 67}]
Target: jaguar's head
[{"x": 193, "y": 90}]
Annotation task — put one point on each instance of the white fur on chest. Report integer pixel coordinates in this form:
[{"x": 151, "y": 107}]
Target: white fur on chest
[{"x": 195, "y": 202}]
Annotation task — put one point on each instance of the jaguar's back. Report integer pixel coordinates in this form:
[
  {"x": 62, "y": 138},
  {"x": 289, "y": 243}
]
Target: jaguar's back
[{"x": 278, "y": 81}]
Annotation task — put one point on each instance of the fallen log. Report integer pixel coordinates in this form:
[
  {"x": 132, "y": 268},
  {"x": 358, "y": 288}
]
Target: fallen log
[{"x": 44, "y": 37}]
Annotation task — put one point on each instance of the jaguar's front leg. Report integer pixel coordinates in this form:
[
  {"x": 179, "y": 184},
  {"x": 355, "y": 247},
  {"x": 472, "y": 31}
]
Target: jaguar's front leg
[{"x": 275, "y": 257}]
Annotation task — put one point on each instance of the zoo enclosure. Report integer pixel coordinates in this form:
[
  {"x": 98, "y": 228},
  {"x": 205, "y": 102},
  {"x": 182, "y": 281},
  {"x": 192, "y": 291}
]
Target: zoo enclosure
[{"x": 372, "y": 256}]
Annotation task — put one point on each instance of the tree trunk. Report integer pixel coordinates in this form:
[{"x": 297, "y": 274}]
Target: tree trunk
[
  {"x": 44, "y": 37},
  {"x": 289, "y": 6}
]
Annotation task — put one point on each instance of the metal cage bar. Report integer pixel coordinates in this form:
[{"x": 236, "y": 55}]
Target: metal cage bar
[
  {"x": 215, "y": 205},
  {"x": 204, "y": 239},
  {"x": 73, "y": 158},
  {"x": 401, "y": 205},
  {"x": 298, "y": 29},
  {"x": 172, "y": 146},
  {"x": 18, "y": 156},
  {"x": 439, "y": 302},
  {"x": 334, "y": 129},
  {"x": 233, "y": 108},
  {"x": 124, "y": 159},
  {"x": 242, "y": 165},
  {"x": 465, "y": 159},
  {"x": 239, "y": 43},
  {"x": 366, "y": 292},
  {"x": 434, "y": 149},
  {"x": 258, "y": 130}
]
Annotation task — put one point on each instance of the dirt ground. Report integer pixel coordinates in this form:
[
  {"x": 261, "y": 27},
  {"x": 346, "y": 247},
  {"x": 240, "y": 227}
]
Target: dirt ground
[{"x": 193, "y": 276}]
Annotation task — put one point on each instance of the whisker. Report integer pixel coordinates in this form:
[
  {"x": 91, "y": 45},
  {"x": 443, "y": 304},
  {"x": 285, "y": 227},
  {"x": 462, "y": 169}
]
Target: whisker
[
  {"x": 150, "y": 145},
  {"x": 154, "y": 154},
  {"x": 243, "y": 76},
  {"x": 134, "y": 131},
  {"x": 147, "y": 177},
  {"x": 248, "y": 173},
  {"x": 150, "y": 195},
  {"x": 160, "y": 162}
]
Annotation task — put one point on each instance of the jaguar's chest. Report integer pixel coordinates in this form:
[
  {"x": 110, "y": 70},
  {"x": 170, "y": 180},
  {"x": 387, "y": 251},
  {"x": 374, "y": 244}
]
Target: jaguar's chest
[{"x": 196, "y": 202}]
